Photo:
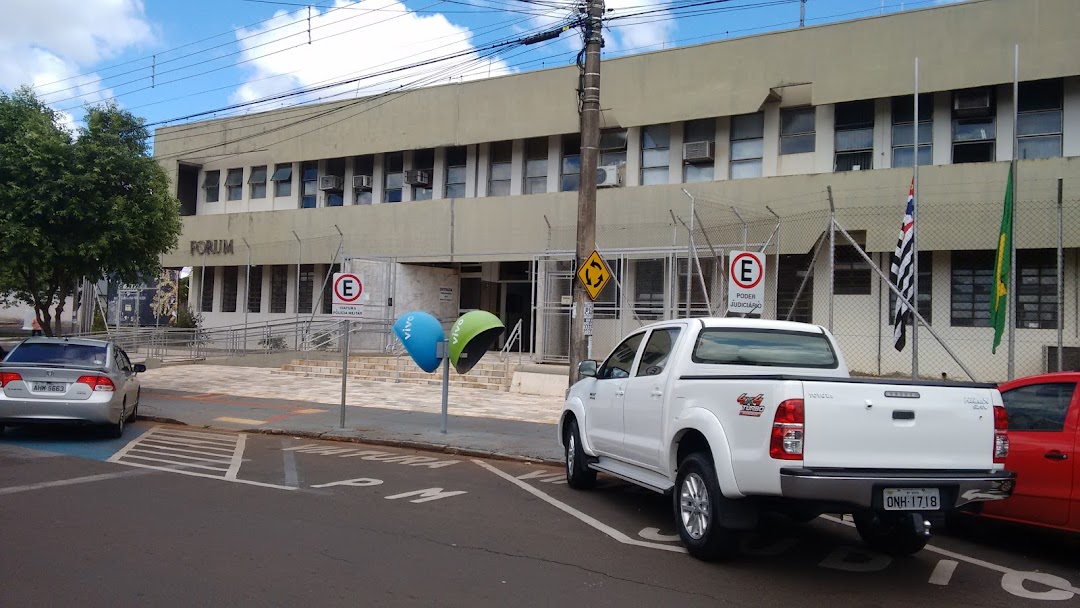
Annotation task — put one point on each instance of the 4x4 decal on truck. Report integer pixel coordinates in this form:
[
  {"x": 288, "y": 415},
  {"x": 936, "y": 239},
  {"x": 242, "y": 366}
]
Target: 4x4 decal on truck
[{"x": 751, "y": 406}]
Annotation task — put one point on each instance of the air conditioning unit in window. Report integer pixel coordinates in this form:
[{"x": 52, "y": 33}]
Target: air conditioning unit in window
[
  {"x": 971, "y": 102},
  {"x": 362, "y": 183},
  {"x": 1070, "y": 359},
  {"x": 418, "y": 177},
  {"x": 698, "y": 151},
  {"x": 331, "y": 182},
  {"x": 608, "y": 176}
]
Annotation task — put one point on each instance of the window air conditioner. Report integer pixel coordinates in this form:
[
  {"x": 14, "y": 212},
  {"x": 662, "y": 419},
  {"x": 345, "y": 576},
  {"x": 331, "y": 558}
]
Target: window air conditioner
[
  {"x": 330, "y": 182},
  {"x": 607, "y": 176},
  {"x": 1070, "y": 358},
  {"x": 698, "y": 151},
  {"x": 419, "y": 178},
  {"x": 362, "y": 183},
  {"x": 972, "y": 102}
]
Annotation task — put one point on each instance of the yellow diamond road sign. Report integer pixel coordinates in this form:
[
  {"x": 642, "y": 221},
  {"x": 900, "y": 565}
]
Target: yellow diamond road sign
[{"x": 594, "y": 274}]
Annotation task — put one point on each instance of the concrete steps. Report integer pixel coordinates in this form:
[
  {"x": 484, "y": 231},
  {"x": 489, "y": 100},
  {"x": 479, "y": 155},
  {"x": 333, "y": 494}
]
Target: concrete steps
[{"x": 488, "y": 374}]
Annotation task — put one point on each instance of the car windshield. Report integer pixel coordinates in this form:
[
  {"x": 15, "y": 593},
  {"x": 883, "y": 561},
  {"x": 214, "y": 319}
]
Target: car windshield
[
  {"x": 764, "y": 347},
  {"x": 59, "y": 353}
]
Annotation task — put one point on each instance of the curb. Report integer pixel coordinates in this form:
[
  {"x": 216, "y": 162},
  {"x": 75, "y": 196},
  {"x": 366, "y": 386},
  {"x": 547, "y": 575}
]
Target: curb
[
  {"x": 405, "y": 443},
  {"x": 397, "y": 443},
  {"x": 161, "y": 419}
]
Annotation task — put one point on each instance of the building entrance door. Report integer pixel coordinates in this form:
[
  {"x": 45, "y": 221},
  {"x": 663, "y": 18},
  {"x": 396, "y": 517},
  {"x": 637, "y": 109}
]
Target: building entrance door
[{"x": 517, "y": 306}]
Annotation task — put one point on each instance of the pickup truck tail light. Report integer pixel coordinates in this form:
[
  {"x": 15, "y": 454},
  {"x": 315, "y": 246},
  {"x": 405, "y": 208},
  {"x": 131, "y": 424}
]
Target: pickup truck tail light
[
  {"x": 1001, "y": 434},
  {"x": 97, "y": 383},
  {"x": 6, "y": 377},
  {"x": 787, "y": 431}
]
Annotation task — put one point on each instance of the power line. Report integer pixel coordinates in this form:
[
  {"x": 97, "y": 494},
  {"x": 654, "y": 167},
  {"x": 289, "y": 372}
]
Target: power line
[
  {"x": 273, "y": 41},
  {"x": 155, "y": 55},
  {"x": 491, "y": 51},
  {"x": 304, "y": 90},
  {"x": 473, "y": 34}
]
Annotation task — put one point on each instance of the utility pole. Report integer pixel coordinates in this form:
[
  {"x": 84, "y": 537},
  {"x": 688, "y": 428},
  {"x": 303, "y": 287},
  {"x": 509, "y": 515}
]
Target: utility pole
[{"x": 590, "y": 150}]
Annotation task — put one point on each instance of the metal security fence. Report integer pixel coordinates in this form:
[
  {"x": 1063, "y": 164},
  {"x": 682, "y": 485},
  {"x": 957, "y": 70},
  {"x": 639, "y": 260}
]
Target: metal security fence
[{"x": 830, "y": 267}]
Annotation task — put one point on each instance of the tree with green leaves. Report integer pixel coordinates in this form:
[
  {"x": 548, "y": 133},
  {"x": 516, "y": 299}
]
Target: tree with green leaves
[{"x": 92, "y": 204}]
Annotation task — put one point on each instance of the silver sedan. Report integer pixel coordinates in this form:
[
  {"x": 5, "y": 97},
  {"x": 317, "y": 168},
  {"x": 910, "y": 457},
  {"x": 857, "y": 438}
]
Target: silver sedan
[{"x": 68, "y": 380}]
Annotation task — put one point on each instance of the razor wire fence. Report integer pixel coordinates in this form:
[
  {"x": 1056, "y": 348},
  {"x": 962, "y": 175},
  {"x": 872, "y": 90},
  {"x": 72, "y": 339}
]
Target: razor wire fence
[{"x": 839, "y": 278}]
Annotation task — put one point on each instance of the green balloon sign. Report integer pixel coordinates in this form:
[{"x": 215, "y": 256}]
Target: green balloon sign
[{"x": 471, "y": 336}]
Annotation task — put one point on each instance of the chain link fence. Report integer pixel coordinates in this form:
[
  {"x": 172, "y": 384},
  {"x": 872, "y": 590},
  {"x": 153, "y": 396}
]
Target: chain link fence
[{"x": 680, "y": 270}]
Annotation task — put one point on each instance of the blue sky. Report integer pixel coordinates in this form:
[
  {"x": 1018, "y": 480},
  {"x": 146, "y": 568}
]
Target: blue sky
[{"x": 164, "y": 59}]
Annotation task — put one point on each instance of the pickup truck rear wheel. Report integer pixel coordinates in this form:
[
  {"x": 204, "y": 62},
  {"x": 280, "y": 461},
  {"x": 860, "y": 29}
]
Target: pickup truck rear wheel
[
  {"x": 698, "y": 502},
  {"x": 889, "y": 532},
  {"x": 578, "y": 474}
]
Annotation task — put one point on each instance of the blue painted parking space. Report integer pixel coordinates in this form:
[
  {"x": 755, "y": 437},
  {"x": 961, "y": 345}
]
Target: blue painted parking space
[{"x": 77, "y": 442}]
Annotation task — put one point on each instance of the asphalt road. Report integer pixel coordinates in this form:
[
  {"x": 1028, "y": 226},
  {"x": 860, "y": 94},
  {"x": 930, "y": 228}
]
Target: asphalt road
[{"x": 269, "y": 520}]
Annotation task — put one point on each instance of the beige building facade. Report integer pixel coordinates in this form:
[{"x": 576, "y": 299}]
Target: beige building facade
[{"x": 480, "y": 177}]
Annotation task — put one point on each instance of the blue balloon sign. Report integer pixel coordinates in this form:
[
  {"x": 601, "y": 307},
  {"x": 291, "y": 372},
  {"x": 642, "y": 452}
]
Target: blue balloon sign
[{"x": 421, "y": 333}]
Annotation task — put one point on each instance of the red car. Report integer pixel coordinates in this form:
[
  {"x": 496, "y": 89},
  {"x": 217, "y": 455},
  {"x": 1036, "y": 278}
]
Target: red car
[{"x": 1044, "y": 450}]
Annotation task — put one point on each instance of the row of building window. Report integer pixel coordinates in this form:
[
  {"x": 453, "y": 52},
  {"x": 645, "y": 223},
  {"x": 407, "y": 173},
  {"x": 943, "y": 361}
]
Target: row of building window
[
  {"x": 974, "y": 133},
  {"x": 279, "y": 288},
  {"x": 971, "y": 279}
]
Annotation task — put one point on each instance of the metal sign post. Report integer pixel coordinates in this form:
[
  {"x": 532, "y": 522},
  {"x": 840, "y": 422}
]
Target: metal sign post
[
  {"x": 442, "y": 351},
  {"x": 346, "y": 329}
]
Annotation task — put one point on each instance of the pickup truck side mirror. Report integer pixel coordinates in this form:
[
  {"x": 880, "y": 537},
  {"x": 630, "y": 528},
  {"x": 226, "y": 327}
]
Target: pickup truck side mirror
[
  {"x": 139, "y": 368},
  {"x": 587, "y": 369}
]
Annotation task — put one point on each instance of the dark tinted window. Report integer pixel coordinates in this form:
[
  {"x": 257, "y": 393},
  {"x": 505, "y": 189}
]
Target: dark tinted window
[
  {"x": 657, "y": 351},
  {"x": 65, "y": 354},
  {"x": 1038, "y": 407},
  {"x": 762, "y": 347},
  {"x": 622, "y": 359}
]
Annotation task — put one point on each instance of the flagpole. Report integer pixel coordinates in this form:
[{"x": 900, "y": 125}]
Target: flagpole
[
  {"x": 915, "y": 237},
  {"x": 1012, "y": 219}
]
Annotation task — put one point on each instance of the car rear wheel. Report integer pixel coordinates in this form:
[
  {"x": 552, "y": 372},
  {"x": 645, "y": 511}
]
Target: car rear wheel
[
  {"x": 117, "y": 430},
  {"x": 698, "y": 505},
  {"x": 135, "y": 409}
]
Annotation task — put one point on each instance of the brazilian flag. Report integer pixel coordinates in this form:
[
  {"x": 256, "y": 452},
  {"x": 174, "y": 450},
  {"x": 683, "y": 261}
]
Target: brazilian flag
[{"x": 999, "y": 301}]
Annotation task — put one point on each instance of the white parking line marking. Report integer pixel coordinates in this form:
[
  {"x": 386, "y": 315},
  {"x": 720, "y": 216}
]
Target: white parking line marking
[
  {"x": 427, "y": 495},
  {"x": 160, "y": 449},
  {"x": 655, "y": 535},
  {"x": 943, "y": 572},
  {"x": 194, "y": 443},
  {"x": 68, "y": 482},
  {"x": 237, "y": 457},
  {"x": 200, "y": 435},
  {"x": 182, "y": 464},
  {"x": 179, "y": 451},
  {"x": 142, "y": 450},
  {"x": 586, "y": 519},
  {"x": 1049, "y": 580},
  {"x": 207, "y": 476}
]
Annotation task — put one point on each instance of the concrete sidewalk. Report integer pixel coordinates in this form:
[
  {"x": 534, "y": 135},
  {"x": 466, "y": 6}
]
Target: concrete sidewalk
[{"x": 481, "y": 422}]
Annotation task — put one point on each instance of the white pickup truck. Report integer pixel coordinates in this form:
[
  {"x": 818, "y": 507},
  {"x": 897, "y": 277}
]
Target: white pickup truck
[{"x": 737, "y": 417}]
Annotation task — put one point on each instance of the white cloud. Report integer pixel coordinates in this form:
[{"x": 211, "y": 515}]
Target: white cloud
[
  {"x": 51, "y": 43},
  {"x": 653, "y": 30},
  {"x": 351, "y": 42}
]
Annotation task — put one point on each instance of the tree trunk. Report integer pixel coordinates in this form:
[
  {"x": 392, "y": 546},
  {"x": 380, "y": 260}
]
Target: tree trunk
[
  {"x": 45, "y": 320},
  {"x": 62, "y": 297}
]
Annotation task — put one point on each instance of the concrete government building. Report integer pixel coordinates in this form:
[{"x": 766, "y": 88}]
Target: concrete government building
[{"x": 465, "y": 192}]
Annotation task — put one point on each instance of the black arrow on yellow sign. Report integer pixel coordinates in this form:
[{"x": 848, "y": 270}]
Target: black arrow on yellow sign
[{"x": 594, "y": 275}]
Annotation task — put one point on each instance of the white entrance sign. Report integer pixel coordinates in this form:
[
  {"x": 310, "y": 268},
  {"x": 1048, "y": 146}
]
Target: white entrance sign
[
  {"x": 347, "y": 291},
  {"x": 746, "y": 282}
]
